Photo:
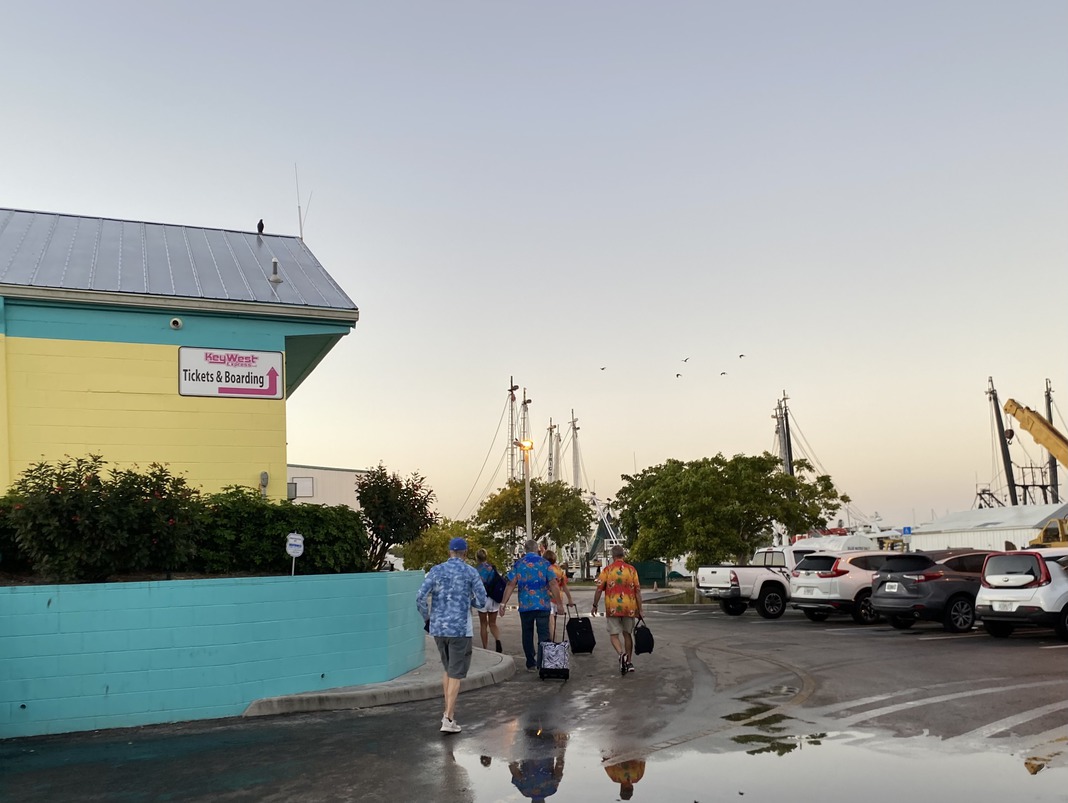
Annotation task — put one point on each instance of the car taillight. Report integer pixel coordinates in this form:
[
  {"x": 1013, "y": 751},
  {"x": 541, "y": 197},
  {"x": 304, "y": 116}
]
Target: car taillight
[
  {"x": 1043, "y": 579},
  {"x": 923, "y": 578},
  {"x": 734, "y": 579},
  {"x": 834, "y": 571}
]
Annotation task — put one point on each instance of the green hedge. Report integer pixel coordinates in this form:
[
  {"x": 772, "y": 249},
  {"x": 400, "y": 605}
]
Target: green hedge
[{"x": 76, "y": 521}]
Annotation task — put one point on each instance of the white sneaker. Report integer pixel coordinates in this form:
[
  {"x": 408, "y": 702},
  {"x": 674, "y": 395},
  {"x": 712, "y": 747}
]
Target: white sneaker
[{"x": 449, "y": 725}]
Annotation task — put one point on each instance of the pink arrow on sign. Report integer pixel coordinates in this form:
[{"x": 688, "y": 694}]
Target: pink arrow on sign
[{"x": 270, "y": 390}]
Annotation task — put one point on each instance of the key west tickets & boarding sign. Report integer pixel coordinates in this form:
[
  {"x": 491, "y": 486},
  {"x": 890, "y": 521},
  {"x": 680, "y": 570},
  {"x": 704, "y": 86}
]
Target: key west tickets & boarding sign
[{"x": 230, "y": 373}]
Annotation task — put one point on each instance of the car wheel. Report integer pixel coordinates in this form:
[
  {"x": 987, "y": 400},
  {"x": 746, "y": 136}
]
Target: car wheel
[
  {"x": 772, "y": 603},
  {"x": 959, "y": 616},
  {"x": 863, "y": 612},
  {"x": 1062, "y": 624},
  {"x": 733, "y": 607},
  {"x": 815, "y": 616},
  {"x": 999, "y": 629},
  {"x": 901, "y": 622}
]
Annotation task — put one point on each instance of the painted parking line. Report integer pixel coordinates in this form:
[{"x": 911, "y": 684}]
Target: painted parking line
[
  {"x": 941, "y": 698},
  {"x": 951, "y": 636},
  {"x": 1022, "y": 718},
  {"x": 1054, "y": 647}
]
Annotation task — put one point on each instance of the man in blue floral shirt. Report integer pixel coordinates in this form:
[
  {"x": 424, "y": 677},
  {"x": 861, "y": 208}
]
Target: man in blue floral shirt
[
  {"x": 538, "y": 589},
  {"x": 454, "y": 586}
]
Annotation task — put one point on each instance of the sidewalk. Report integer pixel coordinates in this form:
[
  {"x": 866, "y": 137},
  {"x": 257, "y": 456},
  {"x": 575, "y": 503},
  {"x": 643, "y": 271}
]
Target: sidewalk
[{"x": 422, "y": 683}]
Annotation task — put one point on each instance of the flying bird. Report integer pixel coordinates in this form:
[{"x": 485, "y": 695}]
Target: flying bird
[
  {"x": 259, "y": 226},
  {"x": 686, "y": 359},
  {"x": 740, "y": 356},
  {"x": 677, "y": 375},
  {"x": 722, "y": 373},
  {"x": 603, "y": 367}
]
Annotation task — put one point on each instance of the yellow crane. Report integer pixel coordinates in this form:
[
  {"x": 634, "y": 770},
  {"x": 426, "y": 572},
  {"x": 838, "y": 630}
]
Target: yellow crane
[{"x": 1049, "y": 438}]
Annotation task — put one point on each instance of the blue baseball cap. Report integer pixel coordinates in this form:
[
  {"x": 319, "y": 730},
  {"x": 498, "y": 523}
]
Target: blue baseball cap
[{"x": 457, "y": 545}]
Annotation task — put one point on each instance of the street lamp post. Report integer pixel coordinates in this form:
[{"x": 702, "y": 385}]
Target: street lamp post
[{"x": 526, "y": 446}]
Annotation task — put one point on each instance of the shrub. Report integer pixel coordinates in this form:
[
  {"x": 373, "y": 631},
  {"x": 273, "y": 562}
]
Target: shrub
[
  {"x": 75, "y": 524},
  {"x": 11, "y": 557},
  {"x": 71, "y": 523},
  {"x": 245, "y": 532}
]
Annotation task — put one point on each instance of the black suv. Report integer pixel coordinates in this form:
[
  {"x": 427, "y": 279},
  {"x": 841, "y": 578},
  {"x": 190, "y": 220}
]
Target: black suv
[{"x": 938, "y": 586}]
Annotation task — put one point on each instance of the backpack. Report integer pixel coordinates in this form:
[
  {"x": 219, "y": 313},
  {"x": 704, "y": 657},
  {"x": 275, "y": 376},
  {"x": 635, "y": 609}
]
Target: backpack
[{"x": 495, "y": 586}]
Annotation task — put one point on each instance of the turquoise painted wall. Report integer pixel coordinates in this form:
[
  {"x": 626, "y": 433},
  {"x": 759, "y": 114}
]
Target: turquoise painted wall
[
  {"x": 152, "y": 326},
  {"x": 114, "y": 655}
]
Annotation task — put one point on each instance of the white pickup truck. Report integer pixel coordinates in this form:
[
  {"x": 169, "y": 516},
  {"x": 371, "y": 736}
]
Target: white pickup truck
[{"x": 764, "y": 583}]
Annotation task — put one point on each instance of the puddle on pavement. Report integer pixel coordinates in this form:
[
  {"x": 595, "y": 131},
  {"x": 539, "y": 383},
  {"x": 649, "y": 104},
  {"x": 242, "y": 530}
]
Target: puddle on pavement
[{"x": 763, "y": 764}]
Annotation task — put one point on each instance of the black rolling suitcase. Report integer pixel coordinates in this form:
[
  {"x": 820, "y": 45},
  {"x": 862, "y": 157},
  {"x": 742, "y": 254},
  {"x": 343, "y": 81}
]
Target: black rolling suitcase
[{"x": 580, "y": 632}]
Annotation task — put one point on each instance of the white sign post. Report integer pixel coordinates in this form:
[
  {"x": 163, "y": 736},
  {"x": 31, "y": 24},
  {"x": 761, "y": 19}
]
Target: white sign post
[{"x": 295, "y": 548}]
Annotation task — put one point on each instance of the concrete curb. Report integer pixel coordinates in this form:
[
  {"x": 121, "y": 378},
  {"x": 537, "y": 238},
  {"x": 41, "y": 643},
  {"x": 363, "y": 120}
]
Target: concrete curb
[{"x": 422, "y": 683}]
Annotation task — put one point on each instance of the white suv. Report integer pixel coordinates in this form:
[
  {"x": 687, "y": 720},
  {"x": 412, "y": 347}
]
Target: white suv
[
  {"x": 1028, "y": 587},
  {"x": 827, "y": 582}
]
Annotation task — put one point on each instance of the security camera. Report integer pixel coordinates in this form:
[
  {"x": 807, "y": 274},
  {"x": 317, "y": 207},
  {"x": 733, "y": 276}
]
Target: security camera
[{"x": 176, "y": 323}]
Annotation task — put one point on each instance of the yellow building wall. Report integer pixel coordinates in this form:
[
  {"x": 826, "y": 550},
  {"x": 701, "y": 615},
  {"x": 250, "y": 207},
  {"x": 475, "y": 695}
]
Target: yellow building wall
[
  {"x": 5, "y": 430},
  {"x": 121, "y": 401}
]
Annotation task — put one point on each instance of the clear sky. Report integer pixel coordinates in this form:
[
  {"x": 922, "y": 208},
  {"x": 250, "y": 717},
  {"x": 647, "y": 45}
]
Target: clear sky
[{"x": 868, "y": 200}]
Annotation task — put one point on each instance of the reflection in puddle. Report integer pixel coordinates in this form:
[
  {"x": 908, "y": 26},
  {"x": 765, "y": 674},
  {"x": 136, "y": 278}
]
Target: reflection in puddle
[
  {"x": 773, "y": 736},
  {"x": 626, "y": 774},
  {"x": 761, "y": 766}
]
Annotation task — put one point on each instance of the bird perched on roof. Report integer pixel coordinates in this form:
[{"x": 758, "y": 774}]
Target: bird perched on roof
[{"x": 259, "y": 226}]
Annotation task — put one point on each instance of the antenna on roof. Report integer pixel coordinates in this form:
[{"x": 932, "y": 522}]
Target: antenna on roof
[{"x": 301, "y": 217}]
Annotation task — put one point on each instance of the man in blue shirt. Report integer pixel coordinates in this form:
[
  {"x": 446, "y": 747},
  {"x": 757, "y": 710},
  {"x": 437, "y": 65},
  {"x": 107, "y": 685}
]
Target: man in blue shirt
[
  {"x": 538, "y": 589},
  {"x": 454, "y": 586}
]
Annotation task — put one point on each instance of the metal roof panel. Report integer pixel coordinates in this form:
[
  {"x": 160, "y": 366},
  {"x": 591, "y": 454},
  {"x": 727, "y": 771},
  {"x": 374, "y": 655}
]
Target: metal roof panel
[{"x": 72, "y": 252}]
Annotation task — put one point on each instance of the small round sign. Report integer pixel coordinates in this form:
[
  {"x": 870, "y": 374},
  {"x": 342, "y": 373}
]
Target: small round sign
[{"x": 295, "y": 544}]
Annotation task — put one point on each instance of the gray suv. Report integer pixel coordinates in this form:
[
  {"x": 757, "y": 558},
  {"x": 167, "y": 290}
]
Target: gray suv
[{"x": 938, "y": 586}]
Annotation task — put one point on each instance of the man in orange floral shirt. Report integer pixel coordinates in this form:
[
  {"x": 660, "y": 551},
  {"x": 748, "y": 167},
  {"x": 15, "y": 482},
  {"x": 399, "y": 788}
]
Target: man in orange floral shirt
[{"x": 618, "y": 581}]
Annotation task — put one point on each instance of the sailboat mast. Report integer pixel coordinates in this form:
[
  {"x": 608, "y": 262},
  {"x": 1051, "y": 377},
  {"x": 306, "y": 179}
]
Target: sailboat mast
[
  {"x": 1009, "y": 478},
  {"x": 524, "y": 423},
  {"x": 551, "y": 462},
  {"x": 1054, "y": 484},
  {"x": 556, "y": 447},
  {"x": 786, "y": 448},
  {"x": 574, "y": 452},
  {"x": 512, "y": 388}
]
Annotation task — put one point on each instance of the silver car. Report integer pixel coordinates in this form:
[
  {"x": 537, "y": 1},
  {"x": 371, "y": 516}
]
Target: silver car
[{"x": 828, "y": 582}]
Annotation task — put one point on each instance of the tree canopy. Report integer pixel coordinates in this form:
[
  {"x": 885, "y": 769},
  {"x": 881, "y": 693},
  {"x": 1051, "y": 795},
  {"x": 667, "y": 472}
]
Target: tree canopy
[
  {"x": 557, "y": 512},
  {"x": 397, "y": 510},
  {"x": 717, "y": 509},
  {"x": 432, "y": 547}
]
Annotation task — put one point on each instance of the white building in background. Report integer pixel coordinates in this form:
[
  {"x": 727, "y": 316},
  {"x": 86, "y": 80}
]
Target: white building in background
[
  {"x": 986, "y": 528},
  {"x": 323, "y": 485}
]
